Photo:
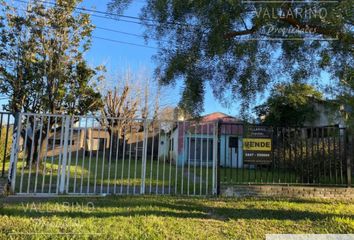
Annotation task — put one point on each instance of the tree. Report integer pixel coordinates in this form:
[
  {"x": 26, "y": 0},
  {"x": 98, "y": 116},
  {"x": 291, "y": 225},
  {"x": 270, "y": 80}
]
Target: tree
[
  {"x": 42, "y": 68},
  {"x": 241, "y": 47},
  {"x": 131, "y": 97},
  {"x": 119, "y": 110},
  {"x": 289, "y": 105}
]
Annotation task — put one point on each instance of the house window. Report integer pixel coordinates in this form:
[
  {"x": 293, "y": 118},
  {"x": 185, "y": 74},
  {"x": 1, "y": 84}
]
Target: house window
[{"x": 200, "y": 150}]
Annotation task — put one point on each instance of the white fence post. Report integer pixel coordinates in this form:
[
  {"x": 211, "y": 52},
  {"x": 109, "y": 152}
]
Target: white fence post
[
  {"x": 65, "y": 155},
  {"x": 144, "y": 156},
  {"x": 14, "y": 151}
]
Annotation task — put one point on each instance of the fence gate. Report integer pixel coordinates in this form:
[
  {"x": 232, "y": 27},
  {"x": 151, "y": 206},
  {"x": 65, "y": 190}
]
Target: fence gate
[{"x": 58, "y": 154}]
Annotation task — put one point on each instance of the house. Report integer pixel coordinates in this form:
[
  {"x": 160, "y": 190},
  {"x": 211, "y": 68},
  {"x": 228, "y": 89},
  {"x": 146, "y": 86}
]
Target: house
[
  {"x": 192, "y": 141},
  {"x": 328, "y": 113}
]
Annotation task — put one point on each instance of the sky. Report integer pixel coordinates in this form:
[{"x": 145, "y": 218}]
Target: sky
[
  {"x": 108, "y": 49},
  {"x": 118, "y": 56},
  {"x": 118, "y": 51}
]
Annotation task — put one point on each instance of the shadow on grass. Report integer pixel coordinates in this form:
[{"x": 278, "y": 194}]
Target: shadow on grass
[{"x": 164, "y": 207}]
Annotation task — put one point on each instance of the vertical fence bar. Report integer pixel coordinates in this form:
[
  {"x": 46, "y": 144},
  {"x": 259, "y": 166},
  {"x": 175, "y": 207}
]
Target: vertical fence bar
[
  {"x": 97, "y": 159},
  {"x": 323, "y": 155},
  {"x": 60, "y": 154},
  {"x": 78, "y": 146},
  {"x": 70, "y": 154},
  {"x": 144, "y": 156},
  {"x": 176, "y": 156},
  {"x": 228, "y": 158},
  {"x": 24, "y": 151},
  {"x": 164, "y": 163},
  {"x": 3, "y": 160},
  {"x": 103, "y": 159},
  {"x": 170, "y": 160},
  {"x": 6, "y": 142},
  {"x": 184, "y": 154},
  {"x": 302, "y": 156},
  {"x": 90, "y": 156},
  {"x": 111, "y": 136},
  {"x": 335, "y": 155},
  {"x": 349, "y": 157},
  {"x": 296, "y": 170},
  {"x": 129, "y": 158},
  {"x": 52, "y": 158},
  {"x": 274, "y": 144},
  {"x": 65, "y": 155},
  {"x": 278, "y": 152},
  {"x": 216, "y": 160},
  {"x": 318, "y": 152},
  {"x": 243, "y": 163},
  {"x": 31, "y": 152},
  {"x": 342, "y": 150},
  {"x": 284, "y": 154},
  {"x": 158, "y": 159},
  {"x": 207, "y": 159},
  {"x": 329, "y": 136},
  {"x": 123, "y": 159},
  {"x": 136, "y": 157},
  {"x": 189, "y": 158},
  {"x": 46, "y": 153},
  {"x": 152, "y": 155},
  {"x": 83, "y": 158},
  {"x": 15, "y": 149},
  {"x": 312, "y": 157},
  {"x": 201, "y": 158},
  {"x": 195, "y": 158},
  {"x": 288, "y": 140},
  {"x": 116, "y": 162},
  {"x": 39, "y": 150},
  {"x": 307, "y": 156}
]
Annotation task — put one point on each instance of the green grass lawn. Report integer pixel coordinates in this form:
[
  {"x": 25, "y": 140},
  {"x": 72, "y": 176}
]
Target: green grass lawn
[
  {"x": 158, "y": 217},
  {"x": 95, "y": 175}
]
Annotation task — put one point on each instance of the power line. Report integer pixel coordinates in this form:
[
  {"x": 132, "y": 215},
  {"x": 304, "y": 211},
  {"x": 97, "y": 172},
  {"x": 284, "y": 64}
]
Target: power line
[
  {"x": 114, "y": 40},
  {"x": 117, "y": 31},
  {"x": 123, "y": 42},
  {"x": 113, "y": 14},
  {"x": 94, "y": 15},
  {"x": 126, "y": 33}
]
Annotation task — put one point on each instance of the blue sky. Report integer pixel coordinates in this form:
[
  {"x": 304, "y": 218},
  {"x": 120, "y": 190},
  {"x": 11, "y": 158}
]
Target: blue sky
[{"x": 117, "y": 56}]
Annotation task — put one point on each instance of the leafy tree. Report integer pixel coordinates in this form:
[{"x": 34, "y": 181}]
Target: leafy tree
[
  {"x": 241, "y": 47},
  {"x": 289, "y": 105},
  {"x": 42, "y": 67}
]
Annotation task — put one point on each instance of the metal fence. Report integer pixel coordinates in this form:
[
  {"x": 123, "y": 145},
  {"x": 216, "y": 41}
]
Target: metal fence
[
  {"x": 6, "y": 130},
  {"x": 296, "y": 156},
  {"x": 56, "y": 154}
]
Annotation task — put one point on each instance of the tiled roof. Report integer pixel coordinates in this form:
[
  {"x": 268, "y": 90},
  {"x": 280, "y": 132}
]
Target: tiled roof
[{"x": 219, "y": 116}]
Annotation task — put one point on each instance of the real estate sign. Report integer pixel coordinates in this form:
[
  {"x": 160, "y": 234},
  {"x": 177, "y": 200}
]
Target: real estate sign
[
  {"x": 257, "y": 148},
  {"x": 257, "y": 144}
]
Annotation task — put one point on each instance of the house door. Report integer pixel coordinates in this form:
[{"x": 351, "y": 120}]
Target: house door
[{"x": 233, "y": 152}]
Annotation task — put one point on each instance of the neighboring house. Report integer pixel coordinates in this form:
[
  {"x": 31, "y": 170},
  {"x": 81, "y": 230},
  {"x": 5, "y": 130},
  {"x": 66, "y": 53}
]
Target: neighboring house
[
  {"x": 329, "y": 113},
  {"x": 190, "y": 142}
]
